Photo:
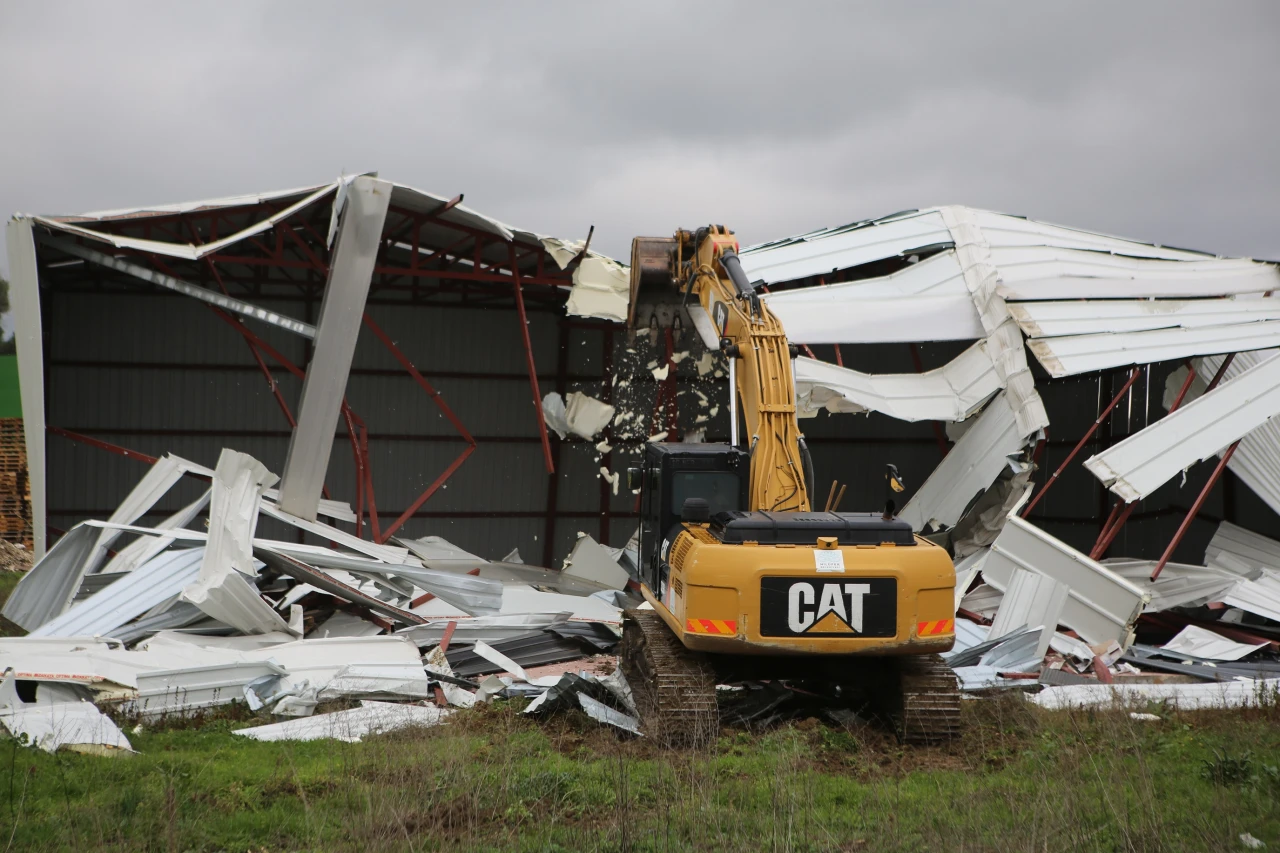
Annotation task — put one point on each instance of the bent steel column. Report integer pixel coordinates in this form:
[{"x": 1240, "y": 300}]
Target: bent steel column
[
  {"x": 28, "y": 336},
  {"x": 341, "y": 314}
]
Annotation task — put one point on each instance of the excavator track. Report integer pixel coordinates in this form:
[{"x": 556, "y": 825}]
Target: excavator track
[
  {"x": 929, "y": 708},
  {"x": 674, "y": 688}
]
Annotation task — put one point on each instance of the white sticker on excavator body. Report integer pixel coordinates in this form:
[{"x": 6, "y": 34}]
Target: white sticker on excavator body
[{"x": 828, "y": 561}]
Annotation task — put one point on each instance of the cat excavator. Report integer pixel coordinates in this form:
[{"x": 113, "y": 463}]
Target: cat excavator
[{"x": 743, "y": 580}]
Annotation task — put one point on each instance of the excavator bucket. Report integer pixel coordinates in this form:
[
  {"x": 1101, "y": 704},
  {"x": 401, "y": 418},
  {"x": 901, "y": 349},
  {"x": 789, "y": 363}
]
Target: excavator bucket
[{"x": 653, "y": 273}]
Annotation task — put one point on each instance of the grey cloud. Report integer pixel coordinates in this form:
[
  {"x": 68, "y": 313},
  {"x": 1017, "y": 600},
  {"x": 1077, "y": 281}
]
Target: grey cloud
[{"x": 1148, "y": 120}]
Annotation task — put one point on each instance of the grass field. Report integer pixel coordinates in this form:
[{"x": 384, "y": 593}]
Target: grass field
[
  {"x": 492, "y": 779},
  {"x": 495, "y": 780}
]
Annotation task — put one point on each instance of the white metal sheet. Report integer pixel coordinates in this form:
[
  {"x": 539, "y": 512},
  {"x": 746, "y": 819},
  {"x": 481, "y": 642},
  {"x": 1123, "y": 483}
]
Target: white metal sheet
[
  {"x": 341, "y": 313},
  {"x": 972, "y": 465},
  {"x": 185, "y": 251},
  {"x": 1186, "y": 697},
  {"x": 1241, "y": 551},
  {"x": 1071, "y": 355},
  {"x": 1179, "y": 584},
  {"x": 1119, "y": 316},
  {"x": 77, "y": 725},
  {"x": 948, "y": 393},
  {"x": 47, "y": 588},
  {"x": 841, "y": 248},
  {"x": 927, "y": 301},
  {"x": 137, "y": 592},
  {"x": 1257, "y": 460},
  {"x": 1032, "y": 600},
  {"x": 1101, "y": 605},
  {"x": 1046, "y": 272},
  {"x": 1203, "y": 643},
  {"x": 24, "y": 293},
  {"x": 1004, "y": 338},
  {"x": 238, "y": 482},
  {"x": 1142, "y": 463},
  {"x": 1260, "y": 597},
  {"x": 234, "y": 601},
  {"x": 350, "y": 725},
  {"x": 1004, "y": 230}
]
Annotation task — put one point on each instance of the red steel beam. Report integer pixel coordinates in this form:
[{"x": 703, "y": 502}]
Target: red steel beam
[
  {"x": 102, "y": 445},
  {"x": 1195, "y": 508},
  {"x": 939, "y": 433},
  {"x": 1107, "y": 536},
  {"x": 385, "y": 339},
  {"x": 1098, "y": 421},
  {"x": 418, "y": 377},
  {"x": 533, "y": 368}
]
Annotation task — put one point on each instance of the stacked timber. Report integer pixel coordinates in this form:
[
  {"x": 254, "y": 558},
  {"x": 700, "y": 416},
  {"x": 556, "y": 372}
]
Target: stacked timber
[{"x": 15, "y": 489}]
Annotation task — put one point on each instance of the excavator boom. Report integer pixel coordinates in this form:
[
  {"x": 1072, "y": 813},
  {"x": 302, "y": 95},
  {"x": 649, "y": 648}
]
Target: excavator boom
[
  {"x": 745, "y": 581},
  {"x": 706, "y": 263}
]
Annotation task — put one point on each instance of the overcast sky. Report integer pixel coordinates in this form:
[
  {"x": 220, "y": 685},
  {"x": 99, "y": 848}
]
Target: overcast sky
[{"x": 1148, "y": 120}]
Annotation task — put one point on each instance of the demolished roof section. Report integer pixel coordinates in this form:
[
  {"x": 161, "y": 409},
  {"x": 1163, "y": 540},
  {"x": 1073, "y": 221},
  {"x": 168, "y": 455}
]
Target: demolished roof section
[
  {"x": 1257, "y": 458},
  {"x": 968, "y": 469},
  {"x": 1101, "y": 605},
  {"x": 949, "y": 393},
  {"x": 1142, "y": 463}
]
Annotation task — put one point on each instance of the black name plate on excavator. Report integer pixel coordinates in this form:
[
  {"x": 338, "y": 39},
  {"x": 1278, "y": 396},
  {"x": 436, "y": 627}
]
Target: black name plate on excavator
[{"x": 828, "y": 607}]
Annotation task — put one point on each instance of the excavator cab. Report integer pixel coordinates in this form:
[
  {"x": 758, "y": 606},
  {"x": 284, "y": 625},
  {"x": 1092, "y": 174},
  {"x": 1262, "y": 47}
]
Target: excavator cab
[{"x": 672, "y": 474}]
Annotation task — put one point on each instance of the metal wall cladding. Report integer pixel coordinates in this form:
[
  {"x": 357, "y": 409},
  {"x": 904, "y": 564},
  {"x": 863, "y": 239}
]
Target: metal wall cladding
[
  {"x": 487, "y": 407},
  {"x": 155, "y": 327},
  {"x": 459, "y": 339},
  {"x": 212, "y": 402},
  {"x": 579, "y": 469},
  {"x": 208, "y": 409}
]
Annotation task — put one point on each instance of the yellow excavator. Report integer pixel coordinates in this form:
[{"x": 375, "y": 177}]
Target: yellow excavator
[{"x": 747, "y": 583}]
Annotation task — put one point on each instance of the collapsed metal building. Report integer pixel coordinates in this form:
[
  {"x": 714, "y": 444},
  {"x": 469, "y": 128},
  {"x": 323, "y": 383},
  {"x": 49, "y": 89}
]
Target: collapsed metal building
[
  {"x": 430, "y": 334},
  {"x": 1047, "y": 392}
]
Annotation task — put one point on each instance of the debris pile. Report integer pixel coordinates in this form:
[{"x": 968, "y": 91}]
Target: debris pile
[
  {"x": 1031, "y": 611},
  {"x": 199, "y": 611},
  {"x": 14, "y": 558}
]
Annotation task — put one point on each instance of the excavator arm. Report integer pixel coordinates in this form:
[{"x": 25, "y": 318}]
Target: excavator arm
[{"x": 704, "y": 264}]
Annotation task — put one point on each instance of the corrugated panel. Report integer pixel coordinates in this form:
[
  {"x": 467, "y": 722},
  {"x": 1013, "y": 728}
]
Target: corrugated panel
[
  {"x": 1235, "y": 548},
  {"x": 949, "y": 393},
  {"x": 1005, "y": 230},
  {"x": 137, "y": 592},
  {"x": 1086, "y": 353},
  {"x": 841, "y": 249},
  {"x": 1101, "y": 606},
  {"x": 1257, "y": 460},
  {"x": 971, "y": 466},
  {"x": 438, "y": 338},
  {"x": 1260, "y": 597},
  {"x": 1054, "y": 319},
  {"x": 1031, "y": 601},
  {"x": 1140, "y": 464},
  {"x": 1049, "y": 272},
  {"x": 924, "y": 302},
  {"x": 128, "y": 328}
]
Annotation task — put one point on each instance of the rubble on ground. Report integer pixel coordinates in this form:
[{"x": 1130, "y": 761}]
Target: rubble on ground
[
  {"x": 200, "y": 612},
  {"x": 14, "y": 558}
]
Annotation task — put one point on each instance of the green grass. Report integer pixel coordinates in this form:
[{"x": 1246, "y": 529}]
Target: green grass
[
  {"x": 495, "y": 780},
  {"x": 492, "y": 779},
  {"x": 9, "y": 580},
  {"x": 10, "y": 397}
]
